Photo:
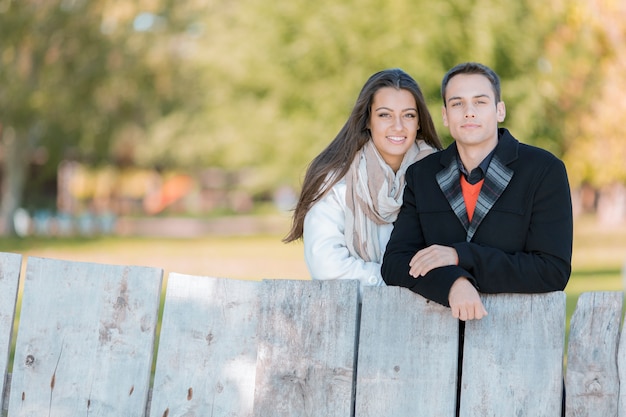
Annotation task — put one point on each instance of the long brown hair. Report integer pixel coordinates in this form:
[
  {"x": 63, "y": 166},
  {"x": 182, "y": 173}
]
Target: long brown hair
[{"x": 333, "y": 163}]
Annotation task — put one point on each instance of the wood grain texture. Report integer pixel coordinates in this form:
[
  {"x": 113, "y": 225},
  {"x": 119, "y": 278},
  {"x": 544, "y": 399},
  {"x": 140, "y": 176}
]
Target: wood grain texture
[
  {"x": 306, "y": 351},
  {"x": 408, "y": 351},
  {"x": 621, "y": 369},
  {"x": 282, "y": 348},
  {"x": 10, "y": 266},
  {"x": 85, "y": 339},
  {"x": 206, "y": 363},
  {"x": 513, "y": 358},
  {"x": 592, "y": 380}
]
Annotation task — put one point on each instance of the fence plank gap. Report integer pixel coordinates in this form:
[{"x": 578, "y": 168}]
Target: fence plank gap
[{"x": 10, "y": 266}]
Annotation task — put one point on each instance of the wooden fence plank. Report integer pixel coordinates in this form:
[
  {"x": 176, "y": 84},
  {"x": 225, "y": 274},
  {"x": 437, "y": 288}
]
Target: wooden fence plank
[
  {"x": 206, "y": 362},
  {"x": 306, "y": 349},
  {"x": 10, "y": 266},
  {"x": 513, "y": 358},
  {"x": 408, "y": 356},
  {"x": 592, "y": 381},
  {"x": 85, "y": 339},
  {"x": 621, "y": 369}
]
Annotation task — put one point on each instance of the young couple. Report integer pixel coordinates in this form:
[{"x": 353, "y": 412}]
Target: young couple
[{"x": 384, "y": 204}]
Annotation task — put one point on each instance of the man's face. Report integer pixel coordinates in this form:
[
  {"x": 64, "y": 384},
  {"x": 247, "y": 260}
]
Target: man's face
[{"x": 471, "y": 113}]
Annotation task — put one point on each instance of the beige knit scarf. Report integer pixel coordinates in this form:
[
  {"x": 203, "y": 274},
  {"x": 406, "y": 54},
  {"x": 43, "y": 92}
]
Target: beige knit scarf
[{"x": 374, "y": 196}]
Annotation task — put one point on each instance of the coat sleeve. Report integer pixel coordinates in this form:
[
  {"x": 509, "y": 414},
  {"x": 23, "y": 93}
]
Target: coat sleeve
[{"x": 325, "y": 249}]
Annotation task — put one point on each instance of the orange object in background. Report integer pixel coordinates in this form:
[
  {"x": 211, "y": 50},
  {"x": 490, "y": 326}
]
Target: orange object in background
[{"x": 172, "y": 190}]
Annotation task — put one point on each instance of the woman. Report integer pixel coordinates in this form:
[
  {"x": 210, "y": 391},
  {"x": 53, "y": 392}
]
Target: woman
[{"x": 352, "y": 190}]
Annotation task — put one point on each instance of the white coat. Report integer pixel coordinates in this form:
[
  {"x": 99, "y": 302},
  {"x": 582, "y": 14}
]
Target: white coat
[{"x": 325, "y": 250}]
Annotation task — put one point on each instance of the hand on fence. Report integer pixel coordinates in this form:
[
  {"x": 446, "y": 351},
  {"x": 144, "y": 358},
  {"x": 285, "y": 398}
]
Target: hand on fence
[
  {"x": 465, "y": 301},
  {"x": 432, "y": 257}
]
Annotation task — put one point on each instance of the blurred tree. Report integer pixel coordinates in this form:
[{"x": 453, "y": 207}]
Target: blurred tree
[
  {"x": 81, "y": 79},
  {"x": 254, "y": 87},
  {"x": 592, "y": 105},
  {"x": 294, "y": 72}
]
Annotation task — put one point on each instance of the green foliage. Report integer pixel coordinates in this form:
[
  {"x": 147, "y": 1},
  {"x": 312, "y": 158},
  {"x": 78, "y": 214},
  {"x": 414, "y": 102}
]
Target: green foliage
[
  {"x": 78, "y": 81},
  {"x": 254, "y": 85},
  {"x": 293, "y": 72}
]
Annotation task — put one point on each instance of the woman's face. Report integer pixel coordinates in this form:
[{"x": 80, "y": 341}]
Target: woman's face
[{"x": 393, "y": 123}]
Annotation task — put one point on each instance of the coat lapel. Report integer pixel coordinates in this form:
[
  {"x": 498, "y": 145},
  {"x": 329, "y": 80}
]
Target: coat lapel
[
  {"x": 496, "y": 180},
  {"x": 450, "y": 184}
]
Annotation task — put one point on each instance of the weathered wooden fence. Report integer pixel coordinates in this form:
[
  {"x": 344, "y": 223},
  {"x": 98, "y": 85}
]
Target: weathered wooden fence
[{"x": 87, "y": 335}]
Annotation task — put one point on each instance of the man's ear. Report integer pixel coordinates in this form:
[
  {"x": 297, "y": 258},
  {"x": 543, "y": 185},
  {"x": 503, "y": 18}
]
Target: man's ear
[
  {"x": 500, "y": 111},
  {"x": 444, "y": 116}
]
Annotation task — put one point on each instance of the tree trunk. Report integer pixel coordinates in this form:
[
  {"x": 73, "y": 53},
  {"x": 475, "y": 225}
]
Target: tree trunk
[{"x": 14, "y": 169}]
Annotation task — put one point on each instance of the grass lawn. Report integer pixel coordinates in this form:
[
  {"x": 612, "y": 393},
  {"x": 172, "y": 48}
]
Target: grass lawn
[
  {"x": 599, "y": 256},
  {"x": 241, "y": 257},
  {"x": 598, "y": 260}
]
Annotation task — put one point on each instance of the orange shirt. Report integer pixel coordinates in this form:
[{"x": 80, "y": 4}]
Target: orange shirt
[{"x": 470, "y": 195}]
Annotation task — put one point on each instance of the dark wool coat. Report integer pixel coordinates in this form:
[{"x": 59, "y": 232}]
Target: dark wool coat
[{"x": 520, "y": 236}]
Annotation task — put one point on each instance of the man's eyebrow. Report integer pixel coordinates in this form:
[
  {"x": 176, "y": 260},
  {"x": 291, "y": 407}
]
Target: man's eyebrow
[{"x": 476, "y": 96}]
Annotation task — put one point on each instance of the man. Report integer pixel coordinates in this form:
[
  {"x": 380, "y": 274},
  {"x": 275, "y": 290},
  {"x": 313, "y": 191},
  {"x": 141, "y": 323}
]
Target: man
[{"x": 488, "y": 214}]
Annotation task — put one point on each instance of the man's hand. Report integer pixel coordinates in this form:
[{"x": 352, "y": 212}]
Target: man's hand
[
  {"x": 465, "y": 302},
  {"x": 432, "y": 257}
]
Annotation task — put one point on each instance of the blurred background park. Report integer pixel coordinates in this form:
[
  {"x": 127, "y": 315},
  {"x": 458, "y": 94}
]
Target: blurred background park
[{"x": 176, "y": 134}]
